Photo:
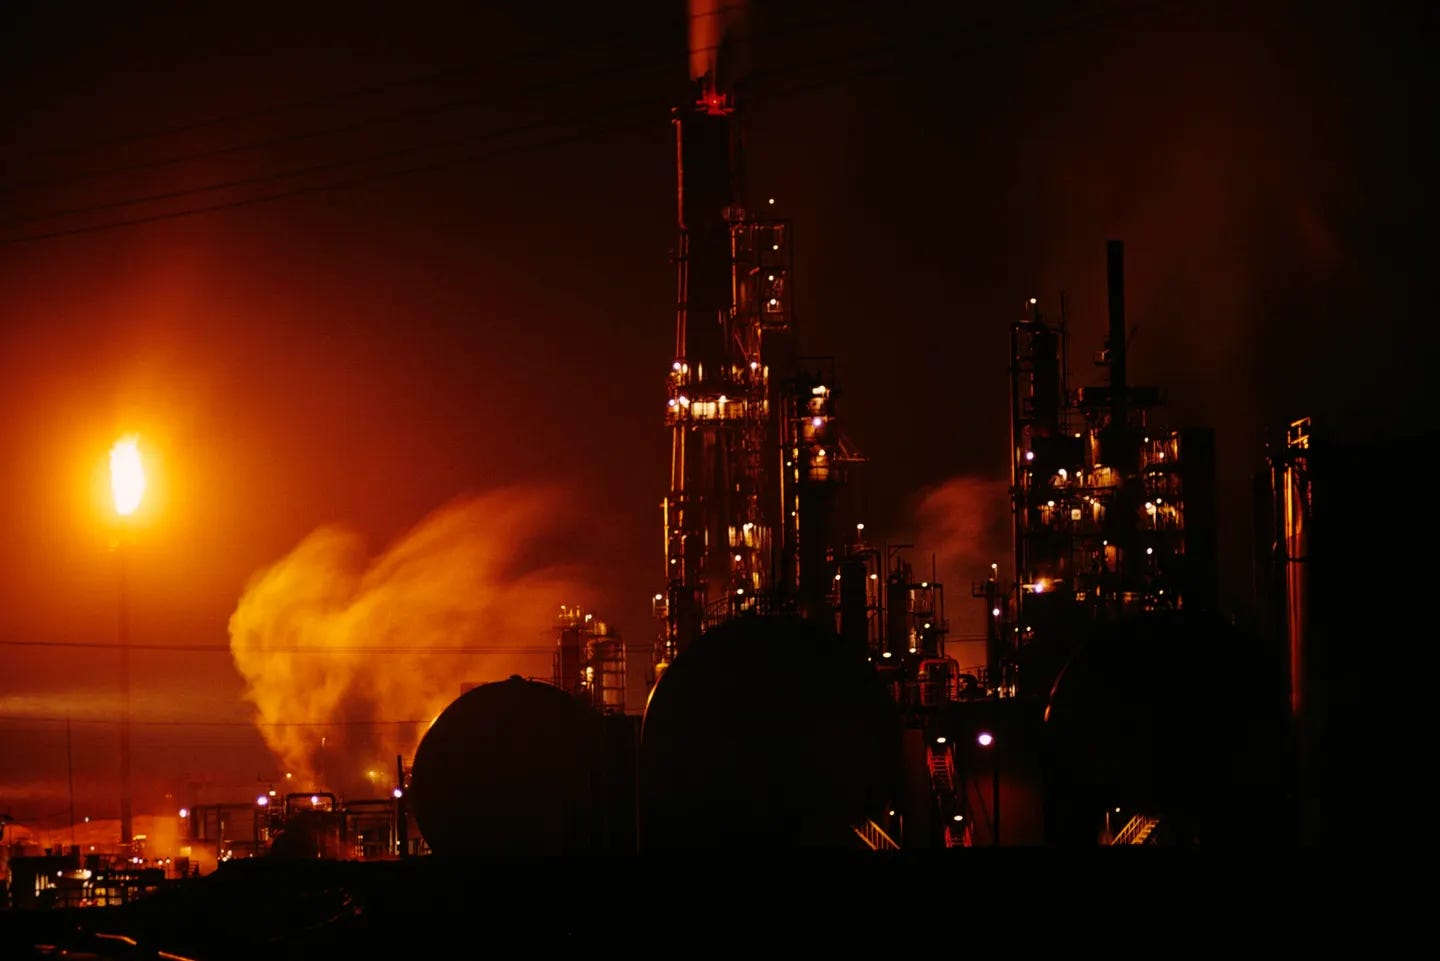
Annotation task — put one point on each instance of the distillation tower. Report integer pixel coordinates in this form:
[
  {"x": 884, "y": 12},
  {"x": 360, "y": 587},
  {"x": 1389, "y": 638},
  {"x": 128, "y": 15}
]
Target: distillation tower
[
  {"x": 1112, "y": 517},
  {"x": 755, "y": 458}
]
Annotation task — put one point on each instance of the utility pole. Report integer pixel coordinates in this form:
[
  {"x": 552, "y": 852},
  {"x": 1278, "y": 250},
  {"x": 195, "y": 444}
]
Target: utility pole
[{"x": 70, "y": 777}]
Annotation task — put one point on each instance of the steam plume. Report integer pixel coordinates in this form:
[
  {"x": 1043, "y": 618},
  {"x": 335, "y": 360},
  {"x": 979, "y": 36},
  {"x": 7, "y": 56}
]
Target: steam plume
[
  {"x": 968, "y": 517},
  {"x": 457, "y": 579},
  {"x": 712, "y": 23}
]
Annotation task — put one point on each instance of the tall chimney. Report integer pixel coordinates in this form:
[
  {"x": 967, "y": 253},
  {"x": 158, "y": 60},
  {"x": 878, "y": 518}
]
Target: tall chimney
[{"x": 1115, "y": 282}]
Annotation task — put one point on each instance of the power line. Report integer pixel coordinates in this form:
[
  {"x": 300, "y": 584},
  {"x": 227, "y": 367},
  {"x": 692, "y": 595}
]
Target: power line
[
  {"x": 454, "y": 162},
  {"x": 338, "y": 96},
  {"x": 648, "y": 120},
  {"x": 286, "y": 649},
  {"x": 156, "y": 722},
  {"x": 663, "y": 61}
]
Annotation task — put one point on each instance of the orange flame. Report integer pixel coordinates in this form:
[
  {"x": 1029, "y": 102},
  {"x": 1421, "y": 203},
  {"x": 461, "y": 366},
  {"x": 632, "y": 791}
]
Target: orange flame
[{"x": 127, "y": 475}]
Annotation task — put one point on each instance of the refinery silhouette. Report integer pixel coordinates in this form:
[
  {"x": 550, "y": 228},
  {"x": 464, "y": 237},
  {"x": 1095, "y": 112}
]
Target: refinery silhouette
[{"x": 814, "y": 702}]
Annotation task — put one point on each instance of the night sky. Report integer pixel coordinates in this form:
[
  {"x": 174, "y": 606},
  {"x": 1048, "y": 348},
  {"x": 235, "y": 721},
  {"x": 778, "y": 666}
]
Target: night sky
[{"x": 438, "y": 279}]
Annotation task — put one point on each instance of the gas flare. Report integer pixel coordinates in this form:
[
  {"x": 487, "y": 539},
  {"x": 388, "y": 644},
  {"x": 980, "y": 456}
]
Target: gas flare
[
  {"x": 331, "y": 641},
  {"x": 127, "y": 475}
]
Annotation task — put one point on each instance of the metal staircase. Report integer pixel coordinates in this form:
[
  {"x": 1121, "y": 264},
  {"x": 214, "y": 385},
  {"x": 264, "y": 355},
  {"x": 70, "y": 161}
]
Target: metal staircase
[
  {"x": 874, "y": 837},
  {"x": 1136, "y": 831}
]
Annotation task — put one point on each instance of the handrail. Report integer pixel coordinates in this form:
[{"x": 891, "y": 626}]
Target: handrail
[
  {"x": 1135, "y": 830},
  {"x": 874, "y": 837}
]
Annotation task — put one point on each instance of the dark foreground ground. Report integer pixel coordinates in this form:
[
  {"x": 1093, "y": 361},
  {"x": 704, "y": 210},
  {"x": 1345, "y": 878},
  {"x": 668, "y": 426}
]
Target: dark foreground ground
[{"x": 951, "y": 901}]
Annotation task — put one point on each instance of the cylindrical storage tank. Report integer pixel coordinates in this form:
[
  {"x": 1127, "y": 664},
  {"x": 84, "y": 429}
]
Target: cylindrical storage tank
[
  {"x": 509, "y": 768},
  {"x": 1171, "y": 716},
  {"x": 767, "y": 733}
]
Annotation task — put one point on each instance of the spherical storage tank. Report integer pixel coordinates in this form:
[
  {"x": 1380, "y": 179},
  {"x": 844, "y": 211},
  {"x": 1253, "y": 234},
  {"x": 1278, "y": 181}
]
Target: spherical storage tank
[
  {"x": 508, "y": 768},
  {"x": 1169, "y": 715},
  {"x": 765, "y": 731}
]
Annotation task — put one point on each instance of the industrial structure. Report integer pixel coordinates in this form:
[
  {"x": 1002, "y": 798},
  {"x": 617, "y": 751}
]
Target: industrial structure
[
  {"x": 590, "y": 660},
  {"x": 1112, "y": 515},
  {"x": 755, "y": 456}
]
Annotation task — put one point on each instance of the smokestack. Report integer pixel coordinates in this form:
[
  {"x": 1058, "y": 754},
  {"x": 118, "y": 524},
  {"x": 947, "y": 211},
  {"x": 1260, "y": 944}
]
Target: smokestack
[{"x": 1115, "y": 285}]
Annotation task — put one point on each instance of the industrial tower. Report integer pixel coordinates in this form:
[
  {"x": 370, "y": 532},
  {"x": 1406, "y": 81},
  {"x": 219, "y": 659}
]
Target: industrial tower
[
  {"x": 754, "y": 455},
  {"x": 1111, "y": 517}
]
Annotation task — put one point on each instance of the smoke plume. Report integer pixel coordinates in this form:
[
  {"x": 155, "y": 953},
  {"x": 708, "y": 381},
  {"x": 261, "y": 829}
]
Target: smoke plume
[
  {"x": 965, "y": 522},
  {"x": 334, "y": 644},
  {"x": 712, "y": 24}
]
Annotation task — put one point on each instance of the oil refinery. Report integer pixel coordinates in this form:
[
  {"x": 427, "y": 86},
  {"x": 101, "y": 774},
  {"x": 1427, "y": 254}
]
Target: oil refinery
[{"x": 798, "y": 690}]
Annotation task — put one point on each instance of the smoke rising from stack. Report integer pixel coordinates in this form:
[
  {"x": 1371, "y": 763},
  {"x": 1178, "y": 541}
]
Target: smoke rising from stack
[
  {"x": 966, "y": 524},
  {"x": 713, "y": 23},
  {"x": 457, "y": 579}
]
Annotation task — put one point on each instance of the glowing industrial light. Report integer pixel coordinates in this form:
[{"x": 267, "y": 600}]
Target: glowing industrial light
[
  {"x": 1062, "y": 473},
  {"x": 1033, "y": 300},
  {"x": 723, "y": 399},
  {"x": 1077, "y": 436},
  {"x": 985, "y": 739},
  {"x": 817, "y": 421},
  {"x": 773, "y": 301},
  {"x": 1149, "y": 550},
  {"x": 271, "y": 792},
  {"x": 675, "y": 366},
  {"x": 184, "y": 812},
  {"x": 747, "y": 526},
  {"x": 127, "y": 475},
  {"x": 769, "y": 276},
  {"x": 892, "y": 813},
  {"x": 774, "y": 246},
  {"x": 659, "y": 597},
  {"x": 754, "y": 365},
  {"x": 1150, "y": 506},
  {"x": 397, "y": 793},
  {"x": 1104, "y": 543},
  {"x": 739, "y": 590},
  {"x": 994, "y": 566},
  {"x": 837, "y": 577},
  {"x": 737, "y": 558},
  {"x": 87, "y": 819},
  {"x": 940, "y": 739},
  {"x": 820, "y": 454},
  {"x": 770, "y": 201},
  {"x": 684, "y": 401},
  {"x": 1029, "y": 455},
  {"x": 886, "y": 654},
  {"x": 958, "y": 817},
  {"x": 288, "y": 775},
  {"x": 819, "y": 390},
  {"x": 927, "y": 625},
  {"x": 672, "y": 401},
  {"x": 1147, "y": 440},
  {"x": 263, "y": 800},
  {"x": 924, "y": 583},
  {"x": 314, "y": 799},
  {"x": 994, "y": 612},
  {"x": 1117, "y": 810},
  {"x": 874, "y": 577},
  {"x": 912, "y": 650},
  {"x": 1049, "y": 503}
]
